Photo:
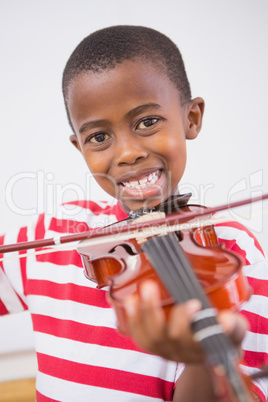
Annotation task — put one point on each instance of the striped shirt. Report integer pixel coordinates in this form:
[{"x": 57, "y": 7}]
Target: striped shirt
[{"x": 80, "y": 354}]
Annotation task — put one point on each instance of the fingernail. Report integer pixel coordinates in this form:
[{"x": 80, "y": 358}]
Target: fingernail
[
  {"x": 130, "y": 307},
  {"x": 193, "y": 306},
  {"x": 228, "y": 321},
  {"x": 148, "y": 291}
]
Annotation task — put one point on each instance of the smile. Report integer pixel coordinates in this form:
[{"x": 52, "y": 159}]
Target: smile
[{"x": 143, "y": 182}]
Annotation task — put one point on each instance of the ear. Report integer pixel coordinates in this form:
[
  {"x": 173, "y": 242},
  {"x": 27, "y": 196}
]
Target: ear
[
  {"x": 75, "y": 142},
  {"x": 194, "y": 117}
]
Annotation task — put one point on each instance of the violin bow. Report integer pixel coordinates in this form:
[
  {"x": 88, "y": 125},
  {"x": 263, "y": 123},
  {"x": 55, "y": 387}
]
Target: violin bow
[{"x": 179, "y": 218}]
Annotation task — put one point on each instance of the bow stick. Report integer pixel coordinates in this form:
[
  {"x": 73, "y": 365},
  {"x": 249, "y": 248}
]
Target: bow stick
[{"x": 178, "y": 217}]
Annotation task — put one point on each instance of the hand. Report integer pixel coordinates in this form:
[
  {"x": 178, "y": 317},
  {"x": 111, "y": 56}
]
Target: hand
[{"x": 172, "y": 338}]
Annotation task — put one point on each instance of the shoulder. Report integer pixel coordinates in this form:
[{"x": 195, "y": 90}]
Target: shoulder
[
  {"x": 74, "y": 217},
  {"x": 83, "y": 215},
  {"x": 238, "y": 238}
]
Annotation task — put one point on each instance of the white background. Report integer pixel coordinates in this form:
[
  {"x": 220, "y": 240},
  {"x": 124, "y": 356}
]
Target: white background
[{"x": 225, "y": 49}]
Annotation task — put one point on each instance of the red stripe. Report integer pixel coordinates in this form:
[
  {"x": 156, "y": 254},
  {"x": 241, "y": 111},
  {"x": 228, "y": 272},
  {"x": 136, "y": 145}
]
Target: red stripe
[
  {"x": 3, "y": 309},
  {"x": 241, "y": 227},
  {"x": 67, "y": 257},
  {"x": 42, "y": 398},
  {"x": 22, "y": 237},
  {"x": 257, "y": 323},
  {"x": 40, "y": 227},
  {"x": 97, "y": 209},
  {"x": 232, "y": 246},
  {"x": 75, "y": 331},
  {"x": 68, "y": 226},
  {"x": 259, "y": 286},
  {"x": 255, "y": 359},
  {"x": 2, "y": 238},
  {"x": 258, "y": 392},
  {"x": 25, "y": 307},
  {"x": 105, "y": 377},
  {"x": 119, "y": 212},
  {"x": 68, "y": 291}
]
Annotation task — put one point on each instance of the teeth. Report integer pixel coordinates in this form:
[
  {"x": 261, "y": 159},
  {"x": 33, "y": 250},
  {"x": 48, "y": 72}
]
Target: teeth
[{"x": 143, "y": 183}]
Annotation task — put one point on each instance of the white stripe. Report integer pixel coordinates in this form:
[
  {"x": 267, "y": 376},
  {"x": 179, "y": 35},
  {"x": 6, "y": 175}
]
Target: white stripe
[
  {"x": 257, "y": 305},
  {"x": 70, "y": 310},
  {"x": 180, "y": 369},
  {"x": 67, "y": 391},
  {"x": 261, "y": 383},
  {"x": 102, "y": 356},
  {"x": 243, "y": 240},
  {"x": 12, "y": 267},
  {"x": 8, "y": 296},
  {"x": 258, "y": 270},
  {"x": 31, "y": 228},
  {"x": 58, "y": 273},
  {"x": 57, "y": 240},
  {"x": 77, "y": 212},
  {"x": 255, "y": 342},
  {"x": 93, "y": 221}
]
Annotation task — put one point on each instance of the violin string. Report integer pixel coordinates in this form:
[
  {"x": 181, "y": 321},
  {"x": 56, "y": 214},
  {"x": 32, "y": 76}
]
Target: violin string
[
  {"x": 179, "y": 266},
  {"x": 188, "y": 279},
  {"x": 177, "y": 260},
  {"x": 189, "y": 282},
  {"x": 217, "y": 347},
  {"x": 170, "y": 279},
  {"x": 175, "y": 276}
]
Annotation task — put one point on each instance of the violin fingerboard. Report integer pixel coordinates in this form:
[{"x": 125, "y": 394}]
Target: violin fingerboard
[{"x": 169, "y": 261}]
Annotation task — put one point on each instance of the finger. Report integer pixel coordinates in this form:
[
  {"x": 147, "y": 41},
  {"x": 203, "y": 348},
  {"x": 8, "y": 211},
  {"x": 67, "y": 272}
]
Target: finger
[
  {"x": 181, "y": 317},
  {"x": 234, "y": 324},
  {"x": 146, "y": 318},
  {"x": 180, "y": 330}
]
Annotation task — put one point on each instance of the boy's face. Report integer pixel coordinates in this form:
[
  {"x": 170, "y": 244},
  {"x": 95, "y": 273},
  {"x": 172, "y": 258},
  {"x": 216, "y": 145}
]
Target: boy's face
[{"x": 131, "y": 129}]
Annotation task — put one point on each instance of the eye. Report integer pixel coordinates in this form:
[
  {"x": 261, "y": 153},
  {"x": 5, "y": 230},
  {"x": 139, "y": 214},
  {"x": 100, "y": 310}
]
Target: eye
[
  {"x": 146, "y": 123},
  {"x": 98, "y": 138}
]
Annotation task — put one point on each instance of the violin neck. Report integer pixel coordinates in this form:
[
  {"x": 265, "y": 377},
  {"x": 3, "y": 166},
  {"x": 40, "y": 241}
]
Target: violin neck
[{"x": 169, "y": 261}]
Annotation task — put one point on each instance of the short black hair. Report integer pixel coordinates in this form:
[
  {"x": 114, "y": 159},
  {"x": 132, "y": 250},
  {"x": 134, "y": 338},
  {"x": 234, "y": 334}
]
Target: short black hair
[{"x": 108, "y": 47}]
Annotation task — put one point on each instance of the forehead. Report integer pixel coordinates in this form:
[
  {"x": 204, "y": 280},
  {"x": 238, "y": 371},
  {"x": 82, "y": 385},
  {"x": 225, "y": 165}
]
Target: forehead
[
  {"x": 121, "y": 88},
  {"x": 137, "y": 72}
]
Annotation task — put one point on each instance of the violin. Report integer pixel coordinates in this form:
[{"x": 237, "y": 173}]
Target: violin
[
  {"x": 183, "y": 256},
  {"x": 124, "y": 264},
  {"x": 186, "y": 263}
]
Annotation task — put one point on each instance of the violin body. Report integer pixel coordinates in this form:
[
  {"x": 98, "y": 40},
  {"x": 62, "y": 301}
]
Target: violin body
[{"x": 123, "y": 266}]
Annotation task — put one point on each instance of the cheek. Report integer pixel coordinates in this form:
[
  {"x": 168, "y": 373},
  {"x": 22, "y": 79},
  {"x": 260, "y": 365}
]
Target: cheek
[
  {"x": 177, "y": 160},
  {"x": 100, "y": 171},
  {"x": 96, "y": 162},
  {"x": 175, "y": 152}
]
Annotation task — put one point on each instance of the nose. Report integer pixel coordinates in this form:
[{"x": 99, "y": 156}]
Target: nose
[{"x": 128, "y": 150}]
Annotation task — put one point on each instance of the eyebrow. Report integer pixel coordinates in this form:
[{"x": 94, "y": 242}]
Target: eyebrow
[
  {"x": 142, "y": 108},
  {"x": 135, "y": 110}
]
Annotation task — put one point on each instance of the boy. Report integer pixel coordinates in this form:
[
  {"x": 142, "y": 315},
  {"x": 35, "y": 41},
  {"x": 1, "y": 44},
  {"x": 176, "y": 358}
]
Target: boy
[{"x": 129, "y": 104}]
